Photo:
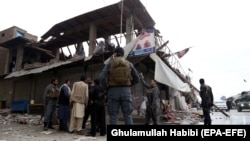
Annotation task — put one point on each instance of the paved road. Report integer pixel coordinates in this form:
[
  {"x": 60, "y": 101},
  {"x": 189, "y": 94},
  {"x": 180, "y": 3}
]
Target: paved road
[{"x": 236, "y": 118}]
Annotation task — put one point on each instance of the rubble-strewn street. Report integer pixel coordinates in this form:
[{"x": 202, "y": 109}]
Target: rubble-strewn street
[
  {"x": 25, "y": 127},
  {"x": 21, "y": 132}
]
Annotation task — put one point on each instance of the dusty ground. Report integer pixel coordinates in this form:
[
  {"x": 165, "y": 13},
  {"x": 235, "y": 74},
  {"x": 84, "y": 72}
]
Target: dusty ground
[
  {"x": 25, "y": 127},
  {"x": 24, "y": 132}
]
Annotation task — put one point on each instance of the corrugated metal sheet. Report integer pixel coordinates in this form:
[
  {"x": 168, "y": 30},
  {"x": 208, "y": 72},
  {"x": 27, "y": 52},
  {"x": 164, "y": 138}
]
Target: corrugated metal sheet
[{"x": 45, "y": 68}]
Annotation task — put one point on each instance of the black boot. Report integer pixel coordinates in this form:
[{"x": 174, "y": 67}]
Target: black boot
[
  {"x": 61, "y": 125},
  {"x": 50, "y": 126},
  {"x": 45, "y": 126}
]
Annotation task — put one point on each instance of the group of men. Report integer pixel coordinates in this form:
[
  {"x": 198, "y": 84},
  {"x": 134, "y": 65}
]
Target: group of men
[
  {"x": 72, "y": 105},
  {"x": 88, "y": 98}
]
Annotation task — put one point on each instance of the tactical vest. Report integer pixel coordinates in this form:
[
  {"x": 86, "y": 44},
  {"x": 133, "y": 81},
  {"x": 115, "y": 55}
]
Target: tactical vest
[
  {"x": 54, "y": 93},
  {"x": 119, "y": 72}
]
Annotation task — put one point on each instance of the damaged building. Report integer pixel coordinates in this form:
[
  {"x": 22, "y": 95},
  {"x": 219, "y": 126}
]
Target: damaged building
[{"x": 81, "y": 45}]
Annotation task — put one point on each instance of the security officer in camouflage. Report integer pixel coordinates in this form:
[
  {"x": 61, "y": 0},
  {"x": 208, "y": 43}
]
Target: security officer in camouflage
[
  {"x": 121, "y": 75},
  {"x": 50, "y": 97},
  {"x": 153, "y": 101}
]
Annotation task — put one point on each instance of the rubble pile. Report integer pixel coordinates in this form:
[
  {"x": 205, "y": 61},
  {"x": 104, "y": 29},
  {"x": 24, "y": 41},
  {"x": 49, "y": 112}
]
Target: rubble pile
[
  {"x": 6, "y": 118},
  {"x": 188, "y": 117}
]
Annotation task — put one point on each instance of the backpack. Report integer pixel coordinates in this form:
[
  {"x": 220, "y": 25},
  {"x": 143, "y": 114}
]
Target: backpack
[{"x": 119, "y": 72}]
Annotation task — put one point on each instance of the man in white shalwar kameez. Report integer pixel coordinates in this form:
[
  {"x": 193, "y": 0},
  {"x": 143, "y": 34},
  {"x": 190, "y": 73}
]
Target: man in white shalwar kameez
[{"x": 78, "y": 101}]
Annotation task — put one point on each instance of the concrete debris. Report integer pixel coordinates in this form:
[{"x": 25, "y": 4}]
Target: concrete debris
[
  {"x": 190, "y": 117},
  {"x": 85, "y": 138},
  {"x": 47, "y": 132},
  {"x": 23, "y": 127},
  {"x": 6, "y": 117}
]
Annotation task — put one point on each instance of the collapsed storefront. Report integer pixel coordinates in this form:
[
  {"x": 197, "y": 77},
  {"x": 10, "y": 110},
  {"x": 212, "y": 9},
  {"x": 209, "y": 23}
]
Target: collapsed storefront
[{"x": 29, "y": 82}]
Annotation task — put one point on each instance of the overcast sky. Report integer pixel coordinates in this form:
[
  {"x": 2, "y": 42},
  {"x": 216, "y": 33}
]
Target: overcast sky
[{"x": 218, "y": 30}]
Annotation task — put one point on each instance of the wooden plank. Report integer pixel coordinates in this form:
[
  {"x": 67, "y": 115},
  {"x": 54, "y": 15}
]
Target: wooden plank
[{"x": 223, "y": 112}]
